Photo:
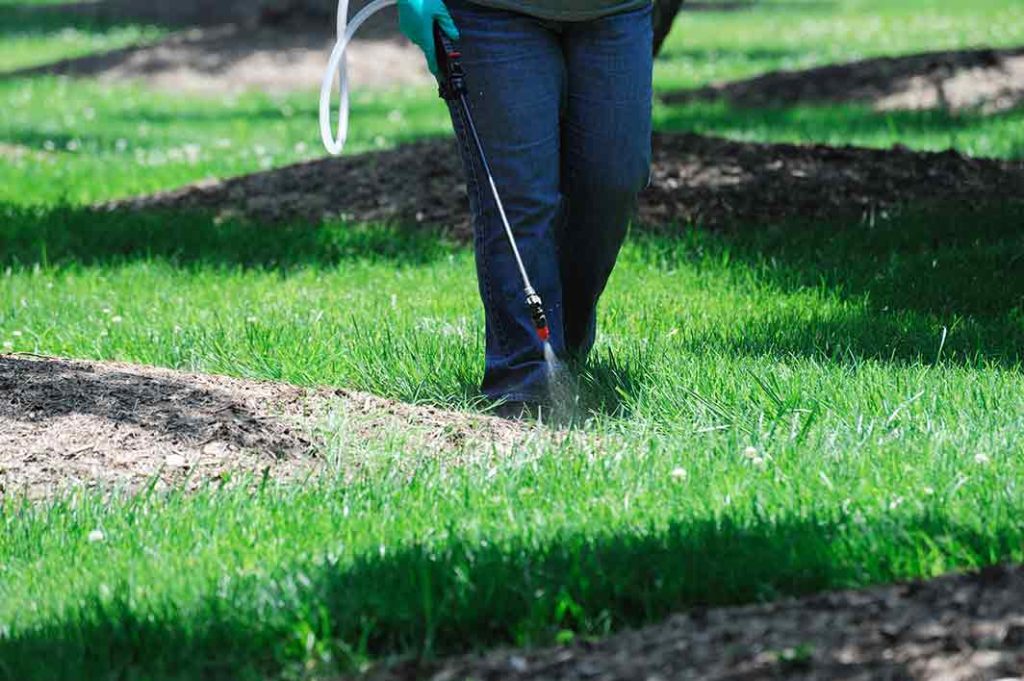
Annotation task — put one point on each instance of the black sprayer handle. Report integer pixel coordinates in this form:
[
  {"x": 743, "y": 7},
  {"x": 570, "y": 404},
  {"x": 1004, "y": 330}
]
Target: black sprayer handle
[{"x": 450, "y": 77}]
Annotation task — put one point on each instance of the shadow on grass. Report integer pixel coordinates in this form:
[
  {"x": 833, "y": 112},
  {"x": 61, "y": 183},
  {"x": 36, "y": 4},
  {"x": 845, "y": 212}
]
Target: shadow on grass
[
  {"x": 916, "y": 272},
  {"x": 48, "y": 20},
  {"x": 912, "y": 273},
  {"x": 844, "y": 124},
  {"x": 71, "y": 236},
  {"x": 466, "y": 593}
]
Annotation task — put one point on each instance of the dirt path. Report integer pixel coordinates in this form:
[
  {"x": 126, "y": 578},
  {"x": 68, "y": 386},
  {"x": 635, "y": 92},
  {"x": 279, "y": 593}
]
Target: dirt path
[
  {"x": 705, "y": 180},
  {"x": 987, "y": 79},
  {"x": 955, "y": 628},
  {"x": 73, "y": 423}
]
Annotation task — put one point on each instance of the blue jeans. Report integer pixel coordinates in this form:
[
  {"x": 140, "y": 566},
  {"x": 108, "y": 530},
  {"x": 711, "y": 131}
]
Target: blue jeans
[{"x": 563, "y": 110}]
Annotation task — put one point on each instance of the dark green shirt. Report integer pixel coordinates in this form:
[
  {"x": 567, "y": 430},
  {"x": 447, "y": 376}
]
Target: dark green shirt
[{"x": 566, "y": 10}]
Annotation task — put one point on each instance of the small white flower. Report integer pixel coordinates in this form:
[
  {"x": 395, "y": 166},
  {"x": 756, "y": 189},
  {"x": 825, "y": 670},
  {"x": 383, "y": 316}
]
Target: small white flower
[
  {"x": 750, "y": 453},
  {"x": 251, "y": 319},
  {"x": 679, "y": 474},
  {"x": 982, "y": 459},
  {"x": 106, "y": 310},
  {"x": 96, "y": 536},
  {"x": 116, "y": 319},
  {"x": 8, "y": 345},
  {"x": 928, "y": 491},
  {"x": 16, "y": 333},
  {"x": 759, "y": 461}
]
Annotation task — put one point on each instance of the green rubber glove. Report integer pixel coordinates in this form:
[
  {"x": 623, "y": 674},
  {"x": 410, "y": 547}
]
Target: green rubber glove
[{"x": 416, "y": 20}]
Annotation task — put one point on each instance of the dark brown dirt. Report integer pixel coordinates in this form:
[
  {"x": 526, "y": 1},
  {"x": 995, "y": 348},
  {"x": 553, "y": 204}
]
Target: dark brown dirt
[
  {"x": 954, "y": 628},
  {"x": 705, "y": 180},
  {"x": 67, "y": 423},
  {"x": 987, "y": 79}
]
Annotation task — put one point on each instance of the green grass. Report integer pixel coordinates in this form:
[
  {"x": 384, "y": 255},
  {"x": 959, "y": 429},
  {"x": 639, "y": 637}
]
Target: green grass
[
  {"x": 82, "y": 142},
  {"x": 707, "y": 47},
  {"x": 874, "y": 368},
  {"x": 87, "y": 142},
  {"x": 33, "y": 34},
  {"x": 887, "y": 451},
  {"x": 994, "y": 136}
]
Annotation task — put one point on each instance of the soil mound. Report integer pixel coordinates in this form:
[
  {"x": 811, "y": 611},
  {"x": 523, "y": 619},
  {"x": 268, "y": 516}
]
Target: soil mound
[
  {"x": 705, "y": 180},
  {"x": 987, "y": 79},
  {"x": 957, "y": 628}
]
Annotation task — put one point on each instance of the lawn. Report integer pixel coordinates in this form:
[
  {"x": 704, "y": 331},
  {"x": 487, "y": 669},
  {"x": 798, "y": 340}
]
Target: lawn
[
  {"x": 772, "y": 411},
  {"x": 34, "y": 34}
]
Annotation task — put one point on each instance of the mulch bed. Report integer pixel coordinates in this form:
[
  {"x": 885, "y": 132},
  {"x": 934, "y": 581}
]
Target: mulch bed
[
  {"x": 954, "y": 628},
  {"x": 988, "y": 79},
  {"x": 696, "y": 179}
]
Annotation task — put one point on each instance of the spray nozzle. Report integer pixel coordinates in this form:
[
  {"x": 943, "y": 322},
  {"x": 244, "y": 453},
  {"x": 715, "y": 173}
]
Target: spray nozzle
[{"x": 540, "y": 321}]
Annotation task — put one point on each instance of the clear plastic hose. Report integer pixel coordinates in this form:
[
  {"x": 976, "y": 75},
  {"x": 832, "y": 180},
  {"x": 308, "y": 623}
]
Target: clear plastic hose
[{"x": 337, "y": 65}]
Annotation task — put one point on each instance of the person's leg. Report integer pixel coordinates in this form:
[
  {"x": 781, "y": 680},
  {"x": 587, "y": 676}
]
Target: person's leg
[
  {"x": 606, "y": 154},
  {"x": 515, "y": 75}
]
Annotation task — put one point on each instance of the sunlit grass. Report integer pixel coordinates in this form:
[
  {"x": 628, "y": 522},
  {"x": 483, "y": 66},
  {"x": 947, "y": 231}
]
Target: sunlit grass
[
  {"x": 771, "y": 411},
  {"x": 90, "y": 142},
  {"x": 710, "y": 46}
]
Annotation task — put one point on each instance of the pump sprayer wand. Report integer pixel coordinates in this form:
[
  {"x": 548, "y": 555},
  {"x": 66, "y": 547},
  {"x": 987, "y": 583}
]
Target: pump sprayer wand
[{"x": 452, "y": 88}]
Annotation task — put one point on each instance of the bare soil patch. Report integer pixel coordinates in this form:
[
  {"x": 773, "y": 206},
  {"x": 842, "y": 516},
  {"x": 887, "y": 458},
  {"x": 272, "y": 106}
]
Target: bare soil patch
[
  {"x": 230, "y": 59},
  {"x": 705, "y": 180},
  {"x": 67, "y": 423},
  {"x": 955, "y": 628},
  {"x": 988, "y": 79}
]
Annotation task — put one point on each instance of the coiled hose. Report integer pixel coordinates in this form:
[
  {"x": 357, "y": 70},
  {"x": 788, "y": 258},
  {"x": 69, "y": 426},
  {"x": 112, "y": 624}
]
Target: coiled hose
[{"x": 337, "y": 65}]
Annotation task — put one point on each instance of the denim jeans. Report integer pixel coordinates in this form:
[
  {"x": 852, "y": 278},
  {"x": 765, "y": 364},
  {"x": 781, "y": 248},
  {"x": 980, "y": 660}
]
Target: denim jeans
[{"x": 563, "y": 110}]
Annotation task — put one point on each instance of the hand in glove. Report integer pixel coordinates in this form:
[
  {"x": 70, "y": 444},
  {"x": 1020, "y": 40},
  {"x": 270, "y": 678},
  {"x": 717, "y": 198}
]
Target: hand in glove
[{"x": 416, "y": 20}]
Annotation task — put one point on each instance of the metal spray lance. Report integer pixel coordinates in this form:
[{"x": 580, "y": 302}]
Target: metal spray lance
[{"x": 452, "y": 88}]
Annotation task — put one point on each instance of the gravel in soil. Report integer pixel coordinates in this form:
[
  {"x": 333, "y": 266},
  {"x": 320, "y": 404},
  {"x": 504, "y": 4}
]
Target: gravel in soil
[
  {"x": 68, "y": 423},
  {"x": 987, "y": 79},
  {"x": 955, "y": 628},
  {"x": 695, "y": 179}
]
